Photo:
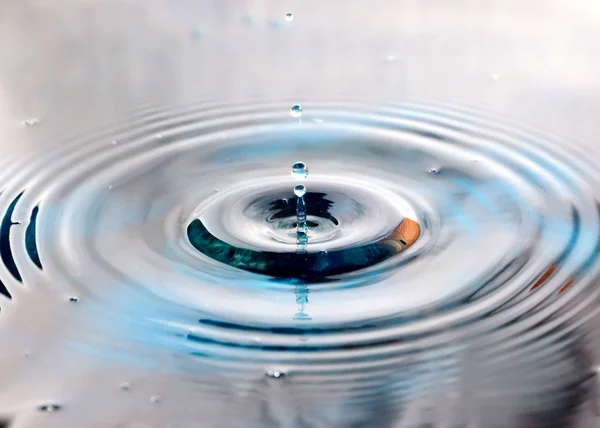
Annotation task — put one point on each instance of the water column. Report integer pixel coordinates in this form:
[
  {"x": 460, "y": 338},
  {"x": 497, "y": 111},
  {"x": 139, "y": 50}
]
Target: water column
[{"x": 300, "y": 170}]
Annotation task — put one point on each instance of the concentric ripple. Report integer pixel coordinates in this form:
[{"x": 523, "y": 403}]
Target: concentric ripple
[{"x": 449, "y": 258}]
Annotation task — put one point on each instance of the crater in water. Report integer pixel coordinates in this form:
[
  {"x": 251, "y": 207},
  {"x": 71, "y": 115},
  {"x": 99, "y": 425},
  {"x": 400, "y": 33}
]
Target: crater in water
[{"x": 432, "y": 258}]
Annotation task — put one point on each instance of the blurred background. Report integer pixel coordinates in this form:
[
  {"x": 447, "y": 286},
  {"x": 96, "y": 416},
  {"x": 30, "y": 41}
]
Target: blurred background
[{"x": 80, "y": 63}]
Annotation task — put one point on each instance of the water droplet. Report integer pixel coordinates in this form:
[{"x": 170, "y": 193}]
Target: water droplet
[
  {"x": 434, "y": 171},
  {"x": 289, "y": 17},
  {"x": 275, "y": 374},
  {"x": 300, "y": 190},
  {"x": 73, "y": 299},
  {"x": 31, "y": 122},
  {"x": 49, "y": 408},
  {"x": 299, "y": 170},
  {"x": 155, "y": 399},
  {"x": 296, "y": 110},
  {"x": 125, "y": 386}
]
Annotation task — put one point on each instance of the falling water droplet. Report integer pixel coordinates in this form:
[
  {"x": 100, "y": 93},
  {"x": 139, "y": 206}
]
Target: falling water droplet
[
  {"x": 155, "y": 399},
  {"x": 31, "y": 122},
  {"x": 275, "y": 374},
  {"x": 73, "y": 299},
  {"x": 289, "y": 17},
  {"x": 299, "y": 170},
  {"x": 296, "y": 110},
  {"x": 300, "y": 190},
  {"x": 49, "y": 408}
]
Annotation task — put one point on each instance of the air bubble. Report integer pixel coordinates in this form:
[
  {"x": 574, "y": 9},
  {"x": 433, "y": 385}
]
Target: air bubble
[
  {"x": 296, "y": 111},
  {"x": 289, "y": 17}
]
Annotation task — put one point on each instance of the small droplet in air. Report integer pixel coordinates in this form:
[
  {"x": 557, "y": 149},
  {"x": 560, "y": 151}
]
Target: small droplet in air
[
  {"x": 274, "y": 374},
  {"x": 434, "y": 171},
  {"x": 49, "y": 408},
  {"x": 300, "y": 190},
  {"x": 296, "y": 110},
  {"x": 299, "y": 170},
  {"x": 73, "y": 299},
  {"x": 155, "y": 399},
  {"x": 31, "y": 122},
  {"x": 289, "y": 17}
]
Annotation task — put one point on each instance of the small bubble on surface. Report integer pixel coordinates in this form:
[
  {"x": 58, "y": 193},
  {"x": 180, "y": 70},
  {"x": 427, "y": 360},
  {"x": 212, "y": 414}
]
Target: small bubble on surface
[
  {"x": 300, "y": 190},
  {"x": 299, "y": 170},
  {"x": 31, "y": 122},
  {"x": 296, "y": 110},
  {"x": 289, "y": 17},
  {"x": 49, "y": 408},
  {"x": 275, "y": 374}
]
